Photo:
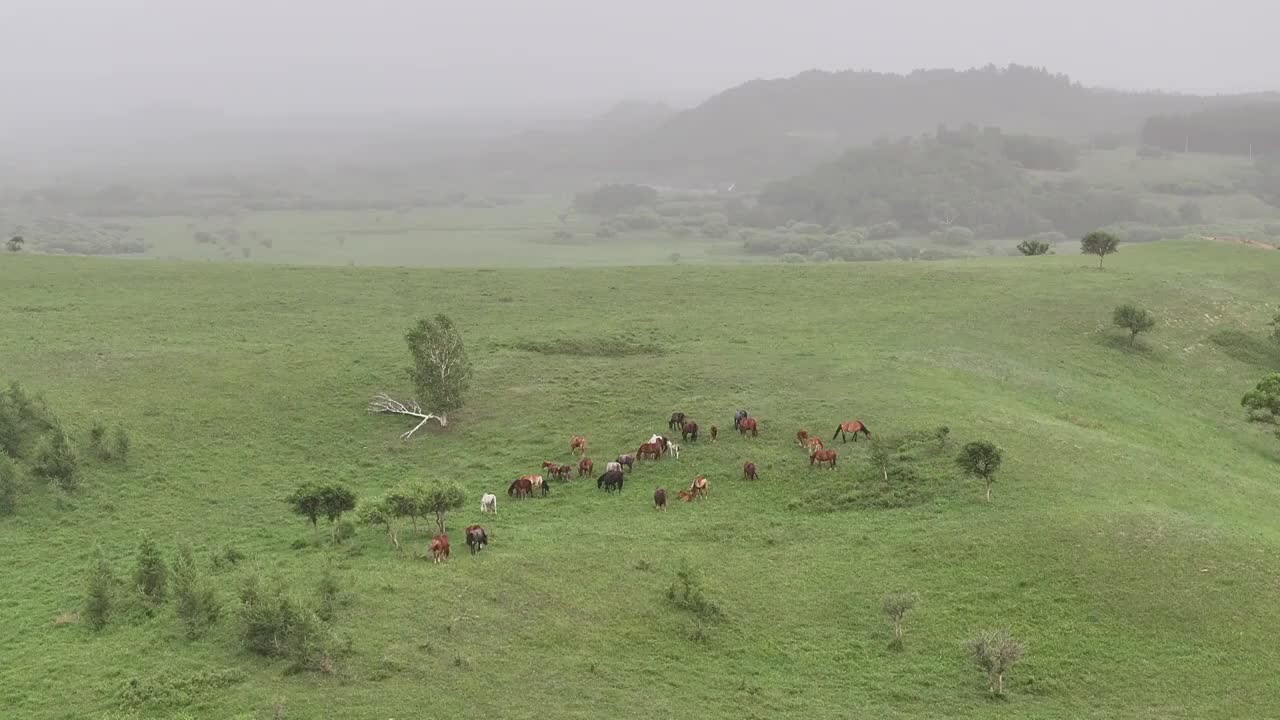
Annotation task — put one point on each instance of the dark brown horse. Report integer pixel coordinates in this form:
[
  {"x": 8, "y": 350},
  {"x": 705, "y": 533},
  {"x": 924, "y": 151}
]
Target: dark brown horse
[
  {"x": 653, "y": 450},
  {"x": 748, "y": 424},
  {"x": 689, "y": 431},
  {"x": 823, "y": 456},
  {"x": 477, "y": 538},
  {"x": 521, "y": 487},
  {"x": 852, "y": 427},
  {"x": 801, "y": 437},
  {"x": 610, "y": 481},
  {"x": 584, "y": 466},
  {"x": 749, "y": 472},
  {"x": 714, "y": 431},
  {"x": 659, "y": 499},
  {"x": 677, "y": 419}
]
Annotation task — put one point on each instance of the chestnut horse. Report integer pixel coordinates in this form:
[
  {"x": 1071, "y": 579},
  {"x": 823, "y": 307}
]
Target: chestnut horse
[
  {"x": 652, "y": 449},
  {"x": 684, "y": 495},
  {"x": 701, "y": 487},
  {"x": 440, "y": 548},
  {"x": 585, "y": 466},
  {"x": 549, "y": 467},
  {"x": 689, "y": 431},
  {"x": 578, "y": 444},
  {"x": 823, "y": 456},
  {"x": 748, "y": 424},
  {"x": 851, "y": 426},
  {"x": 714, "y": 431},
  {"x": 522, "y": 487},
  {"x": 802, "y": 437},
  {"x": 749, "y": 472},
  {"x": 813, "y": 443}
]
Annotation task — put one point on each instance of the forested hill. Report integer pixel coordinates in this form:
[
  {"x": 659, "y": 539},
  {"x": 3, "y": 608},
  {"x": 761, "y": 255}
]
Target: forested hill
[{"x": 772, "y": 128}]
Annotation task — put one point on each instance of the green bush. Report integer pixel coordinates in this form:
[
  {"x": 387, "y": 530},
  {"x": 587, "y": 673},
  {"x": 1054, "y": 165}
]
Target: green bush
[
  {"x": 195, "y": 599},
  {"x": 273, "y": 623},
  {"x": 8, "y": 485},
  {"x": 151, "y": 575},
  {"x": 98, "y": 446},
  {"x": 56, "y": 461},
  {"x": 1133, "y": 319},
  {"x": 687, "y": 593},
  {"x": 100, "y": 595}
]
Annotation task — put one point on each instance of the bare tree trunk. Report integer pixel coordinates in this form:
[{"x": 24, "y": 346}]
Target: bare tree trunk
[
  {"x": 988, "y": 491},
  {"x": 382, "y": 403}
]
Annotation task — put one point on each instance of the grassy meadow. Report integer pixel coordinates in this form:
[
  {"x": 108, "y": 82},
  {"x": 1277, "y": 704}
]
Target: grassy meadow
[{"x": 1131, "y": 542}]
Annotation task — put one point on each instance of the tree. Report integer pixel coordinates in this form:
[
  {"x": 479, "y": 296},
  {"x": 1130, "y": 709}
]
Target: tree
[
  {"x": 1134, "y": 319},
  {"x": 440, "y": 499},
  {"x": 1033, "y": 247},
  {"x": 194, "y": 597},
  {"x": 408, "y": 502},
  {"x": 15, "y": 243},
  {"x": 101, "y": 592},
  {"x": 8, "y": 484},
  {"x": 381, "y": 513},
  {"x": 55, "y": 460},
  {"x": 307, "y": 501},
  {"x": 1099, "y": 243},
  {"x": 151, "y": 575},
  {"x": 441, "y": 372},
  {"x": 1263, "y": 402},
  {"x": 981, "y": 459},
  {"x": 895, "y": 607},
  {"x": 335, "y": 500},
  {"x": 995, "y": 651}
]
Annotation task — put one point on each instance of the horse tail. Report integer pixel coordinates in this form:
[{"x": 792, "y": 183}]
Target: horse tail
[{"x": 838, "y": 429}]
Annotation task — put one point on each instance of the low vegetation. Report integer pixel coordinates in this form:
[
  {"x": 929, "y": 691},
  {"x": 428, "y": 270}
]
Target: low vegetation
[
  {"x": 1132, "y": 319},
  {"x": 995, "y": 652}
]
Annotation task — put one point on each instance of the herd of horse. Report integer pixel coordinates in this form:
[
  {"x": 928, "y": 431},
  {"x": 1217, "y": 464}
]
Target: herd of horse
[{"x": 655, "y": 448}]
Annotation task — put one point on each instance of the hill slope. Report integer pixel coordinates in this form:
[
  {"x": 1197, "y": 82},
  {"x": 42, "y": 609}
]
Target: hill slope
[{"x": 1131, "y": 541}]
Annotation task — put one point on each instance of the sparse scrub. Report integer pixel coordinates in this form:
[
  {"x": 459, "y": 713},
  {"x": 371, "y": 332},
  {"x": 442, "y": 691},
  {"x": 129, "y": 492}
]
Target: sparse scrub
[
  {"x": 274, "y": 623},
  {"x": 55, "y": 460},
  {"x": 1133, "y": 319},
  {"x": 195, "y": 599},
  {"x": 895, "y": 607},
  {"x": 8, "y": 485},
  {"x": 981, "y": 459},
  {"x": 995, "y": 652},
  {"x": 100, "y": 594},
  {"x": 150, "y": 575},
  {"x": 686, "y": 592}
]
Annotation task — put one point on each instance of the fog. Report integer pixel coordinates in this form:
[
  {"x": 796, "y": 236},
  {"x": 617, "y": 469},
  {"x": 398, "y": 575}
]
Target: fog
[{"x": 68, "y": 58}]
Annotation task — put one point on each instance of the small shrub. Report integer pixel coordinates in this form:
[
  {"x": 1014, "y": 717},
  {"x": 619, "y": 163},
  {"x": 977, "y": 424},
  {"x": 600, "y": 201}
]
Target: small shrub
[
  {"x": 56, "y": 461},
  {"x": 151, "y": 575},
  {"x": 228, "y": 556},
  {"x": 942, "y": 432},
  {"x": 995, "y": 652},
  {"x": 343, "y": 531},
  {"x": 98, "y": 446},
  {"x": 171, "y": 688},
  {"x": 895, "y": 607},
  {"x": 1133, "y": 319},
  {"x": 674, "y": 258},
  {"x": 981, "y": 459},
  {"x": 195, "y": 599},
  {"x": 273, "y": 623},
  {"x": 100, "y": 595},
  {"x": 686, "y": 592},
  {"x": 1275, "y": 328},
  {"x": 1033, "y": 247},
  {"x": 8, "y": 485},
  {"x": 331, "y": 597}
]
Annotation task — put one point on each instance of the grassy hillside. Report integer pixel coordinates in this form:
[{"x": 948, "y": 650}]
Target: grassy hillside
[{"x": 1131, "y": 542}]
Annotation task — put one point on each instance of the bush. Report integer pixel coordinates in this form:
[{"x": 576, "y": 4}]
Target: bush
[
  {"x": 150, "y": 577},
  {"x": 1033, "y": 247},
  {"x": 981, "y": 459},
  {"x": 995, "y": 652},
  {"x": 8, "y": 485},
  {"x": 56, "y": 461},
  {"x": 605, "y": 232},
  {"x": 686, "y": 592},
  {"x": 1134, "y": 319},
  {"x": 275, "y": 624},
  {"x": 98, "y": 446},
  {"x": 343, "y": 531},
  {"x": 195, "y": 599},
  {"x": 895, "y": 607},
  {"x": 100, "y": 596}
]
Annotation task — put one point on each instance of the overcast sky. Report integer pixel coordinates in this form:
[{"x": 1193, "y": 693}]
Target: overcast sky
[{"x": 379, "y": 55}]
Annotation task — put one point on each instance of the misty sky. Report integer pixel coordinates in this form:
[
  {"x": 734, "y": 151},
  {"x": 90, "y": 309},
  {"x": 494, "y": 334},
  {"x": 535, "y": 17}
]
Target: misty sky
[{"x": 378, "y": 55}]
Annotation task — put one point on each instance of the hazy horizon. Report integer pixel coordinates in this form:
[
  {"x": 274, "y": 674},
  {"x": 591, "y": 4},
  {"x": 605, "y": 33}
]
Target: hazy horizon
[{"x": 63, "y": 58}]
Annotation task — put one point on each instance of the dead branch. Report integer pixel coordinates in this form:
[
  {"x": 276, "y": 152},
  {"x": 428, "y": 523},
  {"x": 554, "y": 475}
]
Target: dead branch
[{"x": 383, "y": 403}]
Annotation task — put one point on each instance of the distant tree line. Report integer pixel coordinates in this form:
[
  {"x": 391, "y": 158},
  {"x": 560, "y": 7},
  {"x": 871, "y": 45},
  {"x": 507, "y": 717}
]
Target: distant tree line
[
  {"x": 610, "y": 200},
  {"x": 1239, "y": 130}
]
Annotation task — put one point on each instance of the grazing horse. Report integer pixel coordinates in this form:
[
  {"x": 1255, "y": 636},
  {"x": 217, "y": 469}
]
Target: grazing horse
[
  {"x": 477, "y": 538},
  {"x": 611, "y": 481},
  {"x": 439, "y": 548},
  {"x": 549, "y": 466},
  {"x": 522, "y": 487},
  {"x": 738, "y": 417},
  {"x": 701, "y": 487},
  {"x": 653, "y": 450},
  {"x": 674, "y": 449},
  {"x": 578, "y": 444},
  {"x": 537, "y": 484},
  {"x": 823, "y": 456},
  {"x": 489, "y": 503},
  {"x": 749, "y": 472},
  {"x": 689, "y": 431},
  {"x": 665, "y": 443},
  {"x": 659, "y": 499},
  {"x": 714, "y": 431},
  {"x": 748, "y": 424},
  {"x": 677, "y": 419},
  {"x": 627, "y": 460},
  {"x": 851, "y": 426},
  {"x": 684, "y": 495},
  {"x": 813, "y": 443},
  {"x": 563, "y": 473},
  {"x": 802, "y": 437},
  {"x": 585, "y": 466},
  {"x": 613, "y": 466}
]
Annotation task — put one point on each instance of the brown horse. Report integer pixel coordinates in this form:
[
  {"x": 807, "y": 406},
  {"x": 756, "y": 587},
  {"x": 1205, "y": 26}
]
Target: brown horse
[
  {"x": 477, "y": 538},
  {"x": 689, "y": 431},
  {"x": 677, "y": 419},
  {"x": 585, "y": 466},
  {"x": 578, "y": 444},
  {"x": 659, "y": 499},
  {"x": 823, "y": 456},
  {"x": 853, "y": 427},
  {"x": 714, "y": 431},
  {"x": 549, "y": 466},
  {"x": 802, "y": 437},
  {"x": 701, "y": 487},
  {"x": 813, "y": 443},
  {"x": 746, "y": 424},
  {"x": 440, "y": 548},
  {"x": 651, "y": 449},
  {"x": 562, "y": 473},
  {"x": 749, "y": 472},
  {"x": 610, "y": 481},
  {"x": 522, "y": 487},
  {"x": 685, "y": 495}
]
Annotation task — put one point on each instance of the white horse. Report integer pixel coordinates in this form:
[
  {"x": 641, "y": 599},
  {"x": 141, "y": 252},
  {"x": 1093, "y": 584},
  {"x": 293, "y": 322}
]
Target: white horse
[{"x": 489, "y": 503}]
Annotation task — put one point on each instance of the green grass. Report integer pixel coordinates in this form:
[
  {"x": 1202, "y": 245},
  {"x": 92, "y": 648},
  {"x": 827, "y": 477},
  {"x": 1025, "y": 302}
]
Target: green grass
[{"x": 1132, "y": 539}]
